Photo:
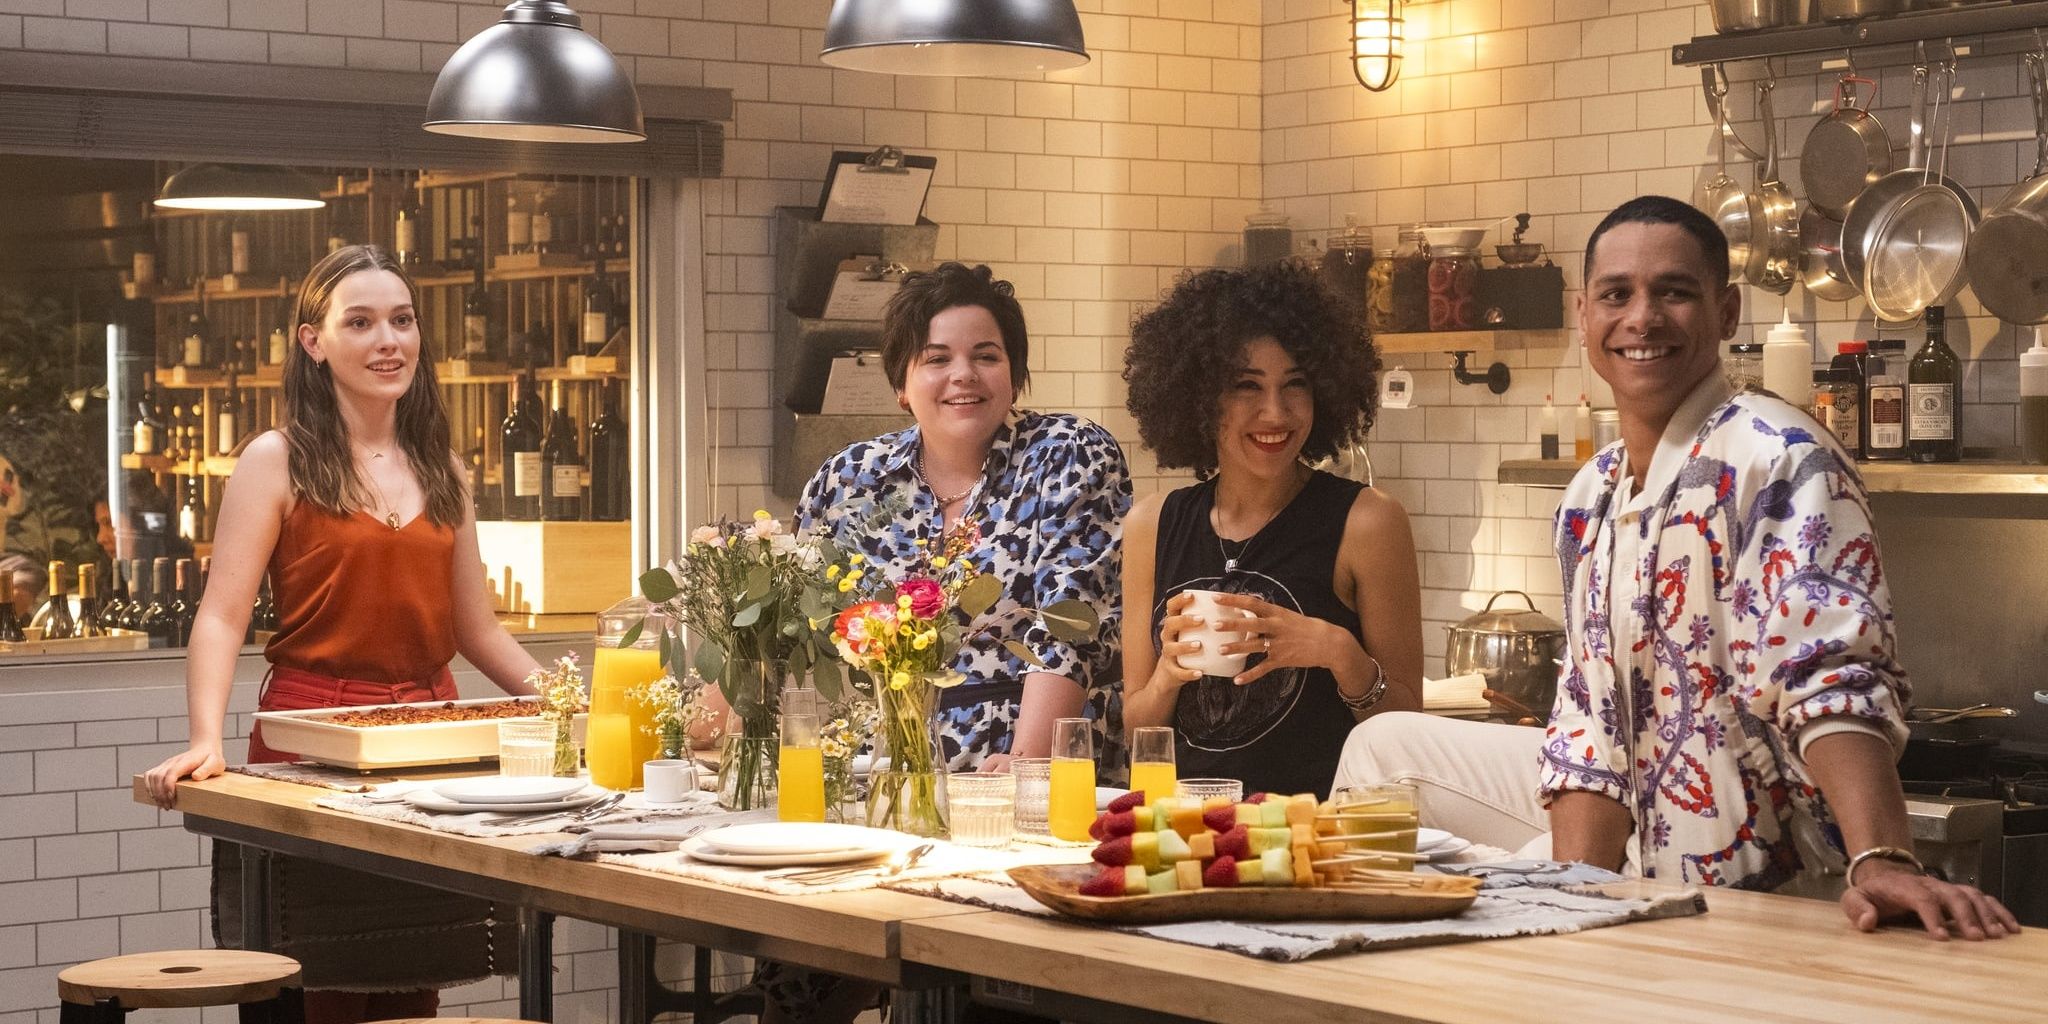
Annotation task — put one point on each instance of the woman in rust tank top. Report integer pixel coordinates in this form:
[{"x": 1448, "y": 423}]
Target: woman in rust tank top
[{"x": 357, "y": 509}]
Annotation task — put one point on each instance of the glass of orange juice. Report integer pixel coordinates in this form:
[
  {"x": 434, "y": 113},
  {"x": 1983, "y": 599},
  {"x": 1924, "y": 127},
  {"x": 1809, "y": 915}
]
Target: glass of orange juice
[
  {"x": 1152, "y": 761},
  {"x": 1388, "y": 813},
  {"x": 800, "y": 778},
  {"x": 1070, "y": 808}
]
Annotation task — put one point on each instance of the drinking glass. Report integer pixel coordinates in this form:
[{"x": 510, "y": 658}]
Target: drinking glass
[
  {"x": 1034, "y": 787},
  {"x": 1152, "y": 761},
  {"x": 982, "y": 807},
  {"x": 526, "y": 747},
  {"x": 800, "y": 781},
  {"x": 1384, "y": 816},
  {"x": 1070, "y": 808},
  {"x": 1203, "y": 789}
]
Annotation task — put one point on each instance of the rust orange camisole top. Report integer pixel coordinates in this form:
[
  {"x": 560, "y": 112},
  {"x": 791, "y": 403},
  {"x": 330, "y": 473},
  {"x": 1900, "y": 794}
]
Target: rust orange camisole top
[{"x": 359, "y": 600}]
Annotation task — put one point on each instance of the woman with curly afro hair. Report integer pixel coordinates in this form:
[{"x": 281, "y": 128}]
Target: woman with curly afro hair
[{"x": 1248, "y": 377}]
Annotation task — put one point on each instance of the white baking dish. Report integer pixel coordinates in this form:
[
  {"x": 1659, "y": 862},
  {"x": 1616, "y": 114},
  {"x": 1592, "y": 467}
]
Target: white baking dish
[{"x": 311, "y": 736}]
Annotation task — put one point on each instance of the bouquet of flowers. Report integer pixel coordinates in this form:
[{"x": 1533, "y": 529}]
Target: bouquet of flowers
[
  {"x": 736, "y": 589},
  {"x": 841, "y": 740},
  {"x": 562, "y": 698},
  {"x": 677, "y": 705}
]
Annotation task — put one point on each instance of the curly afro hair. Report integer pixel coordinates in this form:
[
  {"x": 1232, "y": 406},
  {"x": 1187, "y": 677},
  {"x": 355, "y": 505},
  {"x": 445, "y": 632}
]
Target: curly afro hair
[{"x": 1186, "y": 350}]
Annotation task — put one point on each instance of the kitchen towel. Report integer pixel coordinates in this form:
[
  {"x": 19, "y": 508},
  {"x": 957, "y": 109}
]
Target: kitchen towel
[
  {"x": 1458, "y": 693},
  {"x": 387, "y": 802}
]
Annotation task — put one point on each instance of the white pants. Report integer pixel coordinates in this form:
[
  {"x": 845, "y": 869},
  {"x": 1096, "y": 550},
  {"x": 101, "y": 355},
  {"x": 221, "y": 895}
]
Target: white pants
[{"x": 1476, "y": 780}]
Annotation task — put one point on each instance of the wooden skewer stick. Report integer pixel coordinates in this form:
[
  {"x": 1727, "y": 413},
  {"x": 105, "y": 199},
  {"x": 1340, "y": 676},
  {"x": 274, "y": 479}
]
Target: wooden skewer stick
[
  {"x": 1367, "y": 837},
  {"x": 1370, "y": 816},
  {"x": 1352, "y": 858},
  {"x": 1356, "y": 804}
]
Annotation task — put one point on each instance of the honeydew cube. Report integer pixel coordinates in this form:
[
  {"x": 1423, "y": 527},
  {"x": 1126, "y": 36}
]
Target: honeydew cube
[
  {"x": 1277, "y": 867},
  {"x": 1187, "y": 875},
  {"x": 1251, "y": 872},
  {"x": 1304, "y": 870},
  {"x": 1160, "y": 881},
  {"x": 1145, "y": 849},
  {"x": 1188, "y": 820},
  {"x": 1171, "y": 846},
  {"x": 1273, "y": 813},
  {"x": 1134, "y": 880},
  {"x": 1302, "y": 810},
  {"x": 1202, "y": 846},
  {"x": 1250, "y": 816},
  {"x": 1279, "y": 838},
  {"x": 1162, "y": 806},
  {"x": 1260, "y": 840}
]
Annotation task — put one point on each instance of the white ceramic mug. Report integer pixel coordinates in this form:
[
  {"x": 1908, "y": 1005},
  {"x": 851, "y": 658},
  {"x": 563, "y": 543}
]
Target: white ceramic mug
[
  {"x": 1208, "y": 660},
  {"x": 669, "y": 782}
]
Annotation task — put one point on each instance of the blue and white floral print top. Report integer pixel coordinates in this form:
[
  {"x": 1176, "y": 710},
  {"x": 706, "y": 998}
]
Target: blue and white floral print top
[
  {"x": 1740, "y": 597},
  {"x": 1049, "y": 513}
]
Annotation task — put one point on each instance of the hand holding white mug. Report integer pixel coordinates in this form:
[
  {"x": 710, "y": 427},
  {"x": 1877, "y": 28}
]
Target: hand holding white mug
[
  {"x": 1210, "y": 634},
  {"x": 1174, "y": 643}
]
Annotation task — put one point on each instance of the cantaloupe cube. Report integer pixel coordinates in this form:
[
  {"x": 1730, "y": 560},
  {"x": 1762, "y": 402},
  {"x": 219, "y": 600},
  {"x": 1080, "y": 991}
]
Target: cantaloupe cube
[
  {"x": 1188, "y": 821},
  {"x": 1273, "y": 813},
  {"x": 1301, "y": 810},
  {"x": 1251, "y": 872},
  {"x": 1304, "y": 871},
  {"x": 1171, "y": 846},
  {"x": 1215, "y": 802},
  {"x": 1187, "y": 875},
  {"x": 1145, "y": 850},
  {"x": 1160, "y": 881},
  {"x": 1249, "y": 815},
  {"x": 1134, "y": 880},
  {"x": 1301, "y": 835},
  {"x": 1202, "y": 846},
  {"x": 1278, "y": 867}
]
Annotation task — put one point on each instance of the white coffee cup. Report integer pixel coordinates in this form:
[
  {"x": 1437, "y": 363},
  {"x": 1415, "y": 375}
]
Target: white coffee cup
[
  {"x": 1209, "y": 660},
  {"x": 669, "y": 782}
]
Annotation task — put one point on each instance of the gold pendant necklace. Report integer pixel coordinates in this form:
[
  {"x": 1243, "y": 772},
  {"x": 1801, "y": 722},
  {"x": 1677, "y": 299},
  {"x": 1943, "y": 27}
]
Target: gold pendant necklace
[{"x": 390, "y": 512}]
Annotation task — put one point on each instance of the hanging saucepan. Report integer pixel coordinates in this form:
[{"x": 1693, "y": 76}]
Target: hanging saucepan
[
  {"x": 1721, "y": 196},
  {"x": 1773, "y": 214},
  {"x": 1820, "y": 257},
  {"x": 1846, "y": 152},
  {"x": 2008, "y": 256},
  {"x": 1904, "y": 238}
]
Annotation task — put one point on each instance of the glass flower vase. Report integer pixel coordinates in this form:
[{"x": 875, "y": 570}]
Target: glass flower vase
[
  {"x": 568, "y": 757},
  {"x": 746, "y": 772},
  {"x": 909, "y": 795}
]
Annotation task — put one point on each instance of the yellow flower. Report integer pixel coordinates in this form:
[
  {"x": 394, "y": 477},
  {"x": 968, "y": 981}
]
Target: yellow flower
[
  {"x": 940, "y": 562},
  {"x": 899, "y": 680},
  {"x": 846, "y": 584},
  {"x": 929, "y": 636},
  {"x": 855, "y": 575},
  {"x": 921, "y": 542},
  {"x": 903, "y": 602},
  {"x": 832, "y": 572},
  {"x": 855, "y": 559},
  {"x": 762, "y": 513},
  {"x": 923, "y": 641},
  {"x": 903, "y": 630}
]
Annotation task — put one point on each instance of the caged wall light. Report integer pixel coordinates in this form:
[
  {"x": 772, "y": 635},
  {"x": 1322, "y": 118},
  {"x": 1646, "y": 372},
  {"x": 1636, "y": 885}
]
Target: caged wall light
[{"x": 1378, "y": 31}]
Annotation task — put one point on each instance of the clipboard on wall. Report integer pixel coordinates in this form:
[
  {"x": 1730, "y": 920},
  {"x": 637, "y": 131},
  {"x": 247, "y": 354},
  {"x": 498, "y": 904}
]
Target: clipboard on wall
[{"x": 882, "y": 187}]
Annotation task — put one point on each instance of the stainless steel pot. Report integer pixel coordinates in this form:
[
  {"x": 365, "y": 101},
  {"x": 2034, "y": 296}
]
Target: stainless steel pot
[
  {"x": 2007, "y": 261},
  {"x": 1751, "y": 15},
  {"x": 1517, "y": 650}
]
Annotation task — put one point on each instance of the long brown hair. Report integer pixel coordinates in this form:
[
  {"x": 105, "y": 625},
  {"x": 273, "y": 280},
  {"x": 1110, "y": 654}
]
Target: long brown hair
[{"x": 322, "y": 462}]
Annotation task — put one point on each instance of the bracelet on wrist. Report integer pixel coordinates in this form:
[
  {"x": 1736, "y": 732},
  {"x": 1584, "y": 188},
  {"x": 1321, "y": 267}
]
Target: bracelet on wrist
[
  {"x": 1891, "y": 853},
  {"x": 1372, "y": 694}
]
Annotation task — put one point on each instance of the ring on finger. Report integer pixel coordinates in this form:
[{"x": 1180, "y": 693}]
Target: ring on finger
[{"x": 1265, "y": 643}]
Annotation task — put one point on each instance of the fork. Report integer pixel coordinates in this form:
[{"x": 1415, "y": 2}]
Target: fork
[
  {"x": 821, "y": 876},
  {"x": 576, "y": 817}
]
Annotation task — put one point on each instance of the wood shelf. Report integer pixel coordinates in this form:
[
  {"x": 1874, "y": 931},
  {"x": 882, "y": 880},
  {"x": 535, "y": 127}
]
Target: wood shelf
[
  {"x": 1471, "y": 341},
  {"x": 1955, "y": 479},
  {"x": 515, "y": 274}
]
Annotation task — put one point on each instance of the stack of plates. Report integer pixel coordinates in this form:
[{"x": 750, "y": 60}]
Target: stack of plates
[
  {"x": 505, "y": 795},
  {"x": 778, "y": 843},
  {"x": 1437, "y": 844}
]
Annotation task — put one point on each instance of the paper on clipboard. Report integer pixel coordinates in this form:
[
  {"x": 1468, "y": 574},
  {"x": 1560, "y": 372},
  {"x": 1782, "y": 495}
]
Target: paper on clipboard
[
  {"x": 883, "y": 187},
  {"x": 862, "y": 288},
  {"x": 857, "y": 387}
]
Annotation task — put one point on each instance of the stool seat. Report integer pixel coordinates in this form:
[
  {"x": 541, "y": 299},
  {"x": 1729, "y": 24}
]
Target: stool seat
[
  {"x": 179, "y": 978},
  {"x": 454, "y": 1020}
]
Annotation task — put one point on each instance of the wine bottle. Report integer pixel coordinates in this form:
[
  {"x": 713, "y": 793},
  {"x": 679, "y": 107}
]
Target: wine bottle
[
  {"x": 611, "y": 483},
  {"x": 476, "y": 317},
  {"x": 597, "y": 310},
  {"x": 474, "y": 463},
  {"x": 148, "y": 431},
  {"x": 111, "y": 610},
  {"x": 10, "y": 620},
  {"x": 180, "y": 608},
  {"x": 406, "y": 236},
  {"x": 89, "y": 623},
  {"x": 519, "y": 442},
  {"x": 227, "y": 429},
  {"x": 194, "y": 353},
  {"x": 192, "y": 512},
  {"x": 138, "y": 595},
  {"x": 561, "y": 466},
  {"x": 58, "y": 623},
  {"x": 1934, "y": 397},
  {"x": 264, "y": 616},
  {"x": 156, "y": 616},
  {"x": 543, "y": 221}
]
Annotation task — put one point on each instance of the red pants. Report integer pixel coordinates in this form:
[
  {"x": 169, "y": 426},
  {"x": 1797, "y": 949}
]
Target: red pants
[{"x": 290, "y": 689}]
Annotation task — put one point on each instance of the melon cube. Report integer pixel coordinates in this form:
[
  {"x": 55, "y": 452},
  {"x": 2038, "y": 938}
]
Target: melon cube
[
  {"x": 1187, "y": 875},
  {"x": 1171, "y": 846},
  {"x": 1187, "y": 820},
  {"x": 1279, "y": 838},
  {"x": 1304, "y": 872},
  {"x": 1273, "y": 813},
  {"x": 1202, "y": 847},
  {"x": 1301, "y": 810},
  {"x": 1301, "y": 835},
  {"x": 1216, "y": 801},
  {"x": 1159, "y": 881},
  {"x": 1251, "y": 871},
  {"x": 1145, "y": 850},
  {"x": 1134, "y": 880},
  {"x": 1248, "y": 814},
  {"x": 1278, "y": 867}
]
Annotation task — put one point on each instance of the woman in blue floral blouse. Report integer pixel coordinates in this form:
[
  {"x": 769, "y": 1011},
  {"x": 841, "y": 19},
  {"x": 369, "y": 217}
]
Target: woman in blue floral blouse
[{"x": 1036, "y": 499}]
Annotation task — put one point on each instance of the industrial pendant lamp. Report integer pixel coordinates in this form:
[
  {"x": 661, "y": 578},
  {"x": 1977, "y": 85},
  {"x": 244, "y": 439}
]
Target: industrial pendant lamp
[
  {"x": 239, "y": 187},
  {"x": 1377, "y": 38},
  {"x": 954, "y": 37},
  {"x": 535, "y": 76}
]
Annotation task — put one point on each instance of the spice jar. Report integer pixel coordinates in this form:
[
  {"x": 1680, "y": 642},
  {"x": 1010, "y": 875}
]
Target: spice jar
[
  {"x": 1410, "y": 283},
  {"x": 1744, "y": 366},
  {"x": 1453, "y": 288}
]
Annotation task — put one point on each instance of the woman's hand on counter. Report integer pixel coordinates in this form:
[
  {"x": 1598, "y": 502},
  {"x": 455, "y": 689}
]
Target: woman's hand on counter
[{"x": 201, "y": 762}]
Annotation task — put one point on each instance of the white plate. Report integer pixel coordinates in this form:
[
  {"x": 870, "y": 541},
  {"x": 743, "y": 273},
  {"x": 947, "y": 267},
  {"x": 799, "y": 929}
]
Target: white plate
[
  {"x": 1447, "y": 850},
  {"x": 1425, "y": 838},
  {"x": 428, "y": 800},
  {"x": 698, "y": 849},
  {"x": 505, "y": 789},
  {"x": 1105, "y": 794},
  {"x": 782, "y": 838}
]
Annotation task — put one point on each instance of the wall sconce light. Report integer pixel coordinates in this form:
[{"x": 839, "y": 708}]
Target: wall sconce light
[{"x": 1377, "y": 33}]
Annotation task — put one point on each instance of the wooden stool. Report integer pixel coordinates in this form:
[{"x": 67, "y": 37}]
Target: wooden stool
[
  {"x": 453, "y": 1020},
  {"x": 264, "y": 985}
]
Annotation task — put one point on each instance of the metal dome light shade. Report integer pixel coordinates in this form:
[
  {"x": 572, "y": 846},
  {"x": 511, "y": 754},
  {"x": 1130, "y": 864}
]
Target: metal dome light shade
[
  {"x": 962, "y": 38},
  {"x": 239, "y": 187},
  {"x": 535, "y": 76}
]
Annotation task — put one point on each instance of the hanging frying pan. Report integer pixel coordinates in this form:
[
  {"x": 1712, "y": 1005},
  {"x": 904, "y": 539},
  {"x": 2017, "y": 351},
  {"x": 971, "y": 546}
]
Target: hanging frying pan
[
  {"x": 1721, "y": 196},
  {"x": 1913, "y": 255},
  {"x": 1881, "y": 203},
  {"x": 1846, "y": 152},
  {"x": 1773, "y": 215},
  {"x": 1820, "y": 257},
  {"x": 2008, "y": 256}
]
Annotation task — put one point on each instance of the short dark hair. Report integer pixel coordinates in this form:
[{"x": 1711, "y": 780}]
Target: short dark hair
[
  {"x": 1187, "y": 350},
  {"x": 907, "y": 322},
  {"x": 1666, "y": 210}
]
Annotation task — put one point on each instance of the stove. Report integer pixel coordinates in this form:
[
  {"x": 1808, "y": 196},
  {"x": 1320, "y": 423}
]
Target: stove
[{"x": 1990, "y": 829}]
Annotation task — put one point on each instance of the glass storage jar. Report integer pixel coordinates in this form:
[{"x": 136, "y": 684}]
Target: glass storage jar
[
  {"x": 1379, "y": 293},
  {"x": 1411, "y": 283},
  {"x": 1453, "y": 288},
  {"x": 1347, "y": 262},
  {"x": 1744, "y": 366}
]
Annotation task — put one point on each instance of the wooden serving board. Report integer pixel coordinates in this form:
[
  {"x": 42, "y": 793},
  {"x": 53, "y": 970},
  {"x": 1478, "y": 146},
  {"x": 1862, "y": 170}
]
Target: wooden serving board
[{"x": 1058, "y": 886}]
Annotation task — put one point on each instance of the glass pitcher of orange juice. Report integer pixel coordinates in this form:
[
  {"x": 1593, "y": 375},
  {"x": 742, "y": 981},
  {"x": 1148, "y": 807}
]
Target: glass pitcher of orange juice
[{"x": 621, "y": 734}]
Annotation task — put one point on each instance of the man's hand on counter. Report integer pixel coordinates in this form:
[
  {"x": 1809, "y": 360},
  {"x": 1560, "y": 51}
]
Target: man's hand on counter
[
  {"x": 201, "y": 762},
  {"x": 1886, "y": 890}
]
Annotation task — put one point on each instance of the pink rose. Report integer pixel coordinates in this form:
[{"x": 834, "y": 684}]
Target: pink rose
[
  {"x": 704, "y": 535},
  {"x": 927, "y": 598}
]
